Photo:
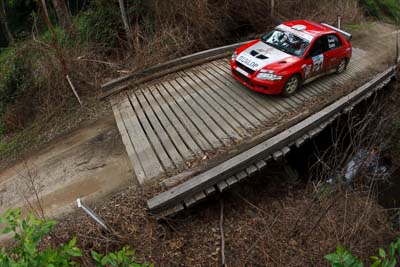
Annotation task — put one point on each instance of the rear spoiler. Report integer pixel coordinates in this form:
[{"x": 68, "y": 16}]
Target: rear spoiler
[{"x": 345, "y": 34}]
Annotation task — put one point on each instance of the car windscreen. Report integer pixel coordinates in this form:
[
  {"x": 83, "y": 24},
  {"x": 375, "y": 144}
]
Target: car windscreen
[{"x": 286, "y": 42}]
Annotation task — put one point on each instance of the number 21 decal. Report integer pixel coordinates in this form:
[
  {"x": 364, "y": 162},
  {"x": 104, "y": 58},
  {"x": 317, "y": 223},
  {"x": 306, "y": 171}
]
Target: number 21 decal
[{"x": 318, "y": 61}]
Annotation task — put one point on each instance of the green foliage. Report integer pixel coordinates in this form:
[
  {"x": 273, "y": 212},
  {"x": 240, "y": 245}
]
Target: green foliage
[
  {"x": 382, "y": 9},
  {"x": 100, "y": 23},
  {"x": 396, "y": 124},
  {"x": 343, "y": 258},
  {"x": 64, "y": 40},
  {"x": 27, "y": 234},
  {"x": 122, "y": 258},
  {"x": 15, "y": 76},
  {"x": 2, "y": 131},
  {"x": 387, "y": 259},
  {"x": 7, "y": 147}
]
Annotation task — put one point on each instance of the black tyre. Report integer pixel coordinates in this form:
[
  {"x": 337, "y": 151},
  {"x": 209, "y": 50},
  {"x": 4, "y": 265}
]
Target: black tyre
[
  {"x": 291, "y": 86},
  {"x": 342, "y": 66}
]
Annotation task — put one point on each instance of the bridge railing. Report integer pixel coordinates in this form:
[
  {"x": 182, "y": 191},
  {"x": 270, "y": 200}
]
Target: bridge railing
[{"x": 162, "y": 69}]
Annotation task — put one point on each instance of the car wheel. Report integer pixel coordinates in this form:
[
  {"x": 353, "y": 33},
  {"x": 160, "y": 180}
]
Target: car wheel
[
  {"x": 291, "y": 86},
  {"x": 342, "y": 66}
]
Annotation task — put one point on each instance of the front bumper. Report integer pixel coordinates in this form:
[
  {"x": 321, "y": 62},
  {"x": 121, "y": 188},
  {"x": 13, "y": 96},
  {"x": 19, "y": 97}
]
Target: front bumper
[{"x": 261, "y": 86}]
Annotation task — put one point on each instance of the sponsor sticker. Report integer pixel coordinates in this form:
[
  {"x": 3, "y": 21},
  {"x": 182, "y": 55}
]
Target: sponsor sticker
[
  {"x": 307, "y": 70},
  {"x": 247, "y": 62}
]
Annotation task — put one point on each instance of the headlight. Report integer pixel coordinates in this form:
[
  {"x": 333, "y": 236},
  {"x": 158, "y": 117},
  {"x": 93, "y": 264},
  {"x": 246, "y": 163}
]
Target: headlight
[
  {"x": 234, "y": 55},
  {"x": 268, "y": 75}
]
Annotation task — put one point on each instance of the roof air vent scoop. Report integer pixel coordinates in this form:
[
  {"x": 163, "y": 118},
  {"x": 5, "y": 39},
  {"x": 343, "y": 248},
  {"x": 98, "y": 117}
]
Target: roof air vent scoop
[{"x": 299, "y": 27}]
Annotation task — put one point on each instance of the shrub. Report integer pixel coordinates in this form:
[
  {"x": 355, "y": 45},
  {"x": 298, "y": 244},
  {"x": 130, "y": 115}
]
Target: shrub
[
  {"x": 64, "y": 39},
  {"x": 100, "y": 23},
  {"x": 7, "y": 147},
  {"x": 382, "y": 9},
  {"x": 14, "y": 76},
  {"x": 123, "y": 258},
  {"x": 19, "y": 79},
  {"x": 343, "y": 258},
  {"x": 28, "y": 232}
]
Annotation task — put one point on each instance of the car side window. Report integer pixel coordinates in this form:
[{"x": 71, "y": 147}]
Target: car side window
[
  {"x": 317, "y": 48},
  {"x": 333, "y": 42}
]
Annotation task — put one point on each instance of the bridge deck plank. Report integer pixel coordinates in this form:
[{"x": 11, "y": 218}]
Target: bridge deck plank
[
  {"x": 241, "y": 97},
  {"x": 187, "y": 131},
  {"x": 151, "y": 134},
  {"x": 205, "y": 113},
  {"x": 215, "y": 111},
  {"x": 233, "y": 101},
  {"x": 169, "y": 122},
  {"x": 219, "y": 105},
  {"x": 185, "y": 108},
  {"x": 144, "y": 150},
  {"x": 133, "y": 157},
  {"x": 225, "y": 100}
]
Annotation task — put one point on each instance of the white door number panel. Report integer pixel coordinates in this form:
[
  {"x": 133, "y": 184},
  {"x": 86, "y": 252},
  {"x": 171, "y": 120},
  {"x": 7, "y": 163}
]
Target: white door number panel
[{"x": 318, "y": 61}]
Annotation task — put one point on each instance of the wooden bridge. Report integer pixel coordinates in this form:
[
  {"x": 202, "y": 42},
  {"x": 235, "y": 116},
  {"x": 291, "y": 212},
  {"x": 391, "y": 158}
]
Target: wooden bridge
[{"x": 201, "y": 122}]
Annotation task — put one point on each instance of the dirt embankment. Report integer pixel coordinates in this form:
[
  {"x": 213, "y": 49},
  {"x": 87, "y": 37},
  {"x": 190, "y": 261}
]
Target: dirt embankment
[{"x": 268, "y": 221}]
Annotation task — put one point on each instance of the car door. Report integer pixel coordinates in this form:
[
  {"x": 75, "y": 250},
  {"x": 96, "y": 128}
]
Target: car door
[
  {"x": 314, "y": 62},
  {"x": 333, "y": 53}
]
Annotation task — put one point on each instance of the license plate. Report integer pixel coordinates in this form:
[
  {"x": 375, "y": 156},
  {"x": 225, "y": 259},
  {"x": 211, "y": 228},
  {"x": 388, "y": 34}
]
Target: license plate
[{"x": 242, "y": 71}]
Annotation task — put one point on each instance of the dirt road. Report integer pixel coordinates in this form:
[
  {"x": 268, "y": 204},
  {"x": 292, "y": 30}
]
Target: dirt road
[{"x": 90, "y": 162}]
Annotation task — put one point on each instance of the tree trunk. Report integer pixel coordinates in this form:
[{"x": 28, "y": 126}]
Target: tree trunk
[
  {"x": 272, "y": 8},
  {"x": 63, "y": 15},
  {"x": 45, "y": 14},
  {"x": 4, "y": 22},
  {"x": 125, "y": 21}
]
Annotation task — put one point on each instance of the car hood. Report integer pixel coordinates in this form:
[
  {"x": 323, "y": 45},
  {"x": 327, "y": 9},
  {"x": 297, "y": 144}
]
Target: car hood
[{"x": 260, "y": 55}]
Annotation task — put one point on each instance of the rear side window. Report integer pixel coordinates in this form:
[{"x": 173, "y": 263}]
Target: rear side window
[{"x": 332, "y": 42}]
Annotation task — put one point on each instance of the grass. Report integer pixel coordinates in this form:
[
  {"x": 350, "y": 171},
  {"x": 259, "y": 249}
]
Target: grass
[
  {"x": 383, "y": 9},
  {"x": 8, "y": 147},
  {"x": 15, "y": 145},
  {"x": 16, "y": 142},
  {"x": 359, "y": 27}
]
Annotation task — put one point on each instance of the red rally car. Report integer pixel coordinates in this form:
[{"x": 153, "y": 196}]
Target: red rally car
[{"x": 293, "y": 53}]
